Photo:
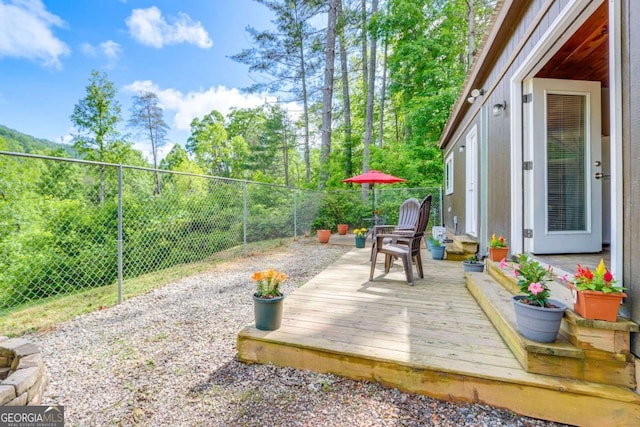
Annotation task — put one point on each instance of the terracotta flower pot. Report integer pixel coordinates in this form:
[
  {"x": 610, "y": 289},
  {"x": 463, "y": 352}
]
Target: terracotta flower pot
[
  {"x": 498, "y": 254},
  {"x": 323, "y": 236},
  {"x": 596, "y": 305},
  {"x": 342, "y": 229}
]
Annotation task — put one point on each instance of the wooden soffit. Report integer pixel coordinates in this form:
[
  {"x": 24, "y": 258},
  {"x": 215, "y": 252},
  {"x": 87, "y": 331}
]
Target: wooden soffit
[{"x": 585, "y": 56}]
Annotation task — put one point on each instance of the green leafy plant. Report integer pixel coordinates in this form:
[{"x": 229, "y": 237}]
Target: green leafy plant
[
  {"x": 268, "y": 282},
  {"x": 599, "y": 280},
  {"x": 434, "y": 242},
  {"x": 472, "y": 259},
  {"x": 532, "y": 280}
]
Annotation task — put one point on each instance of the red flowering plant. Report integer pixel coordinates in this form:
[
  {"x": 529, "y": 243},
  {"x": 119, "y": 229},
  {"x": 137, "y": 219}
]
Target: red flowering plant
[
  {"x": 532, "y": 280},
  {"x": 599, "y": 280},
  {"x": 497, "y": 242}
]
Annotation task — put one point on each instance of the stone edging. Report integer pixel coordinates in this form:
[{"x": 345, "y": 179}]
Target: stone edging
[{"x": 22, "y": 372}]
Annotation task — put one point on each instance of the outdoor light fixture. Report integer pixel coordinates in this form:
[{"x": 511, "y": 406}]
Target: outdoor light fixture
[
  {"x": 474, "y": 94},
  {"x": 499, "y": 108}
]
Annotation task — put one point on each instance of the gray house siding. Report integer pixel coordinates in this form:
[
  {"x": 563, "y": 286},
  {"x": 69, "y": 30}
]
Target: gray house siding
[
  {"x": 631, "y": 158},
  {"x": 523, "y": 38},
  {"x": 510, "y": 46}
]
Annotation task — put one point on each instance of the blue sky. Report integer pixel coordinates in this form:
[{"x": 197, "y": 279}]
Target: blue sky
[{"x": 178, "y": 49}]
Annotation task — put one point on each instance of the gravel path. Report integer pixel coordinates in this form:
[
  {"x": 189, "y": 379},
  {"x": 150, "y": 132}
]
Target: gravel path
[{"x": 168, "y": 358}]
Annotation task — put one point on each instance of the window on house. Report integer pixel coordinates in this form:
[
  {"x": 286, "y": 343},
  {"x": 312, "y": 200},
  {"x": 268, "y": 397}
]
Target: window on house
[{"x": 448, "y": 175}]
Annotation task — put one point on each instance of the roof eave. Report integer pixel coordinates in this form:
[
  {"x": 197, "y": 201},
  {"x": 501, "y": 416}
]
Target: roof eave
[{"x": 503, "y": 25}]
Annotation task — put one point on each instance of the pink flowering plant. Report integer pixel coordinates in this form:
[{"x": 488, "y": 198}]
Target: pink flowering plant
[{"x": 532, "y": 280}]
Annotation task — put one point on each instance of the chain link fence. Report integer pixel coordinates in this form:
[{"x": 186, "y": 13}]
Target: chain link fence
[{"x": 67, "y": 225}]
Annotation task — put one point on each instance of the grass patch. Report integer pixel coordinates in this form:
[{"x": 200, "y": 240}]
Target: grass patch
[{"x": 44, "y": 314}]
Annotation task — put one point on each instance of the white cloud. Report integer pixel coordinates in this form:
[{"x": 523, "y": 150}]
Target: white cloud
[
  {"x": 112, "y": 51},
  {"x": 25, "y": 32},
  {"x": 187, "y": 106},
  {"x": 109, "y": 49},
  {"x": 89, "y": 50},
  {"x": 150, "y": 28}
]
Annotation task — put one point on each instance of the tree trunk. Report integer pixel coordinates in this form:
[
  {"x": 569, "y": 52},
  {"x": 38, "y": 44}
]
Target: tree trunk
[
  {"x": 368, "y": 130},
  {"x": 382, "y": 93},
  {"x": 344, "y": 69},
  {"x": 363, "y": 14},
  {"x": 471, "y": 40},
  {"x": 327, "y": 95},
  {"x": 305, "y": 106}
]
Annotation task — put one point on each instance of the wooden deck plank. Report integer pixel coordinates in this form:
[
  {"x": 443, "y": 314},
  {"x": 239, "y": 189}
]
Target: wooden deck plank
[{"x": 430, "y": 338}]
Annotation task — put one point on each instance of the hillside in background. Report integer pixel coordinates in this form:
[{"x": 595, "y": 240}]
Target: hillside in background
[{"x": 22, "y": 143}]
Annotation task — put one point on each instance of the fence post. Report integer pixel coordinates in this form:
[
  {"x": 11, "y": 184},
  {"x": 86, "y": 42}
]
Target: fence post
[
  {"x": 120, "y": 261},
  {"x": 441, "y": 205},
  {"x": 295, "y": 214},
  {"x": 244, "y": 217}
]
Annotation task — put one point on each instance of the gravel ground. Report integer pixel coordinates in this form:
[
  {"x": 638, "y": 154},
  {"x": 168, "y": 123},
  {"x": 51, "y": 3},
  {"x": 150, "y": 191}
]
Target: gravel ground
[{"x": 168, "y": 358}]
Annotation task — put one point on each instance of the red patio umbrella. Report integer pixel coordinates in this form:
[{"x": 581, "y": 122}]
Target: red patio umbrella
[{"x": 374, "y": 177}]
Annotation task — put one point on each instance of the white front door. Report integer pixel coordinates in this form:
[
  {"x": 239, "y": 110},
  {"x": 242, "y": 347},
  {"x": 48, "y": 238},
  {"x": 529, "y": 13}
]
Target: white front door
[
  {"x": 471, "y": 201},
  {"x": 562, "y": 160}
]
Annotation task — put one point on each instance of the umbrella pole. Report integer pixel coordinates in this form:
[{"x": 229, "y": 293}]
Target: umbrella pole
[{"x": 373, "y": 205}]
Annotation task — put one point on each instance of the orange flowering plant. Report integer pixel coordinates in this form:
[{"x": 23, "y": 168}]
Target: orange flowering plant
[
  {"x": 268, "y": 282},
  {"x": 499, "y": 242},
  {"x": 599, "y": 280}
]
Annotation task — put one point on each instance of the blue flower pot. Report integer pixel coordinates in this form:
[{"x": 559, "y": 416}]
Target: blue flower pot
[
  {"x": 360, "y": 242},
  {"x": 537, "y": 323},
  {"x": 437, "y": 252}
]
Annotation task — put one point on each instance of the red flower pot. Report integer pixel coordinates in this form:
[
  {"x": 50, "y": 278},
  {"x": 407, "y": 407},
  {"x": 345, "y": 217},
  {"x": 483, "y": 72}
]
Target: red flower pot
[
  {"x": 323, "y": 236},
  {"x": 342, "y": 229},
  {"x": 498, "y": 254},
  {"x": 596, "y": 305}
]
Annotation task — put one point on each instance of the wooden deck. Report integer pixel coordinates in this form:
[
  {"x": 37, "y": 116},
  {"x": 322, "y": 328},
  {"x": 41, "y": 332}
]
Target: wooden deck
[{"x": 432, "y": 339}]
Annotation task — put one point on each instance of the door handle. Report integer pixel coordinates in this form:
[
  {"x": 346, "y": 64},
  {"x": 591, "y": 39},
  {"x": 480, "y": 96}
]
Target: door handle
[{"x": 600, "y": 175}]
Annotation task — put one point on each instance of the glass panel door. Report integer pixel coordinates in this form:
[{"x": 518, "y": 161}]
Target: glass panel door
[{"x": 566, "y": 158}]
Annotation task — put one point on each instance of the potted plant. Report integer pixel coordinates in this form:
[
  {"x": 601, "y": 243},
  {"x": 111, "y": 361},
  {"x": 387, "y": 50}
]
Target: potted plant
[
  {"x": 431, "y": 241},
  {"x": 361, "y": 236},
  {"x": 473, "y": 264},
  {"x": 437, "y": 250},
  {"x": 267, "y": 300},
  {"x": 538, "y": 317},
  {"x": 595, "y": 295},
  {"x": 323, "y": 229},
  {"x": 498, "y": 248},
  {"x": 343, "y": 229}
]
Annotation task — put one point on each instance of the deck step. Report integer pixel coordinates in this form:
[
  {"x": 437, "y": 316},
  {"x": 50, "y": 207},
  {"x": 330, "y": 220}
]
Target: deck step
[
  {"x": 568, "y": 356},
  {"x": 461, "y": 247}
]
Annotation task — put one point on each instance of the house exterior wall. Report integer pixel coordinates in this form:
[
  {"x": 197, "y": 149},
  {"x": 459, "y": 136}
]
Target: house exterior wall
[
  {"x": 535, "y": 18},
  {"x": 631, "y": 159}
]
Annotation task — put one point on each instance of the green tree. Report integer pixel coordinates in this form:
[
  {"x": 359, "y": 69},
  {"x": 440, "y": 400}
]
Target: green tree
[
  {"x": 147, "y": 118},
  {"x": 95, "y": 117},
  {"x": 214, "y": 151},
  {"x": 287, "y": 58}
]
